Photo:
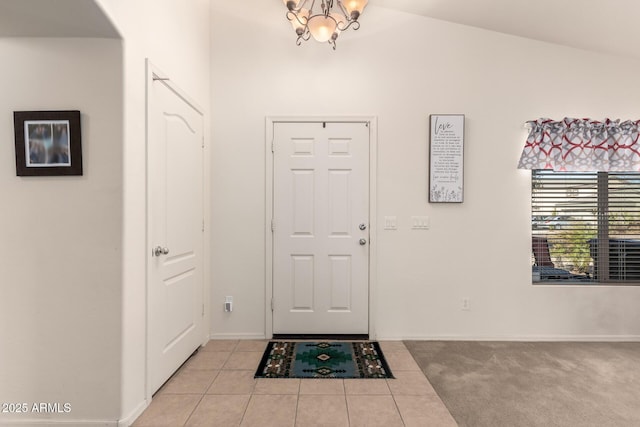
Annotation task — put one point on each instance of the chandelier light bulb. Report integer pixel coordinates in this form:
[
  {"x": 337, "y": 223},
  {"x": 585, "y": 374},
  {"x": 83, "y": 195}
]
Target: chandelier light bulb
[
  {"x": 322, "y": 27},
  {"x": 354, "y": 7}
]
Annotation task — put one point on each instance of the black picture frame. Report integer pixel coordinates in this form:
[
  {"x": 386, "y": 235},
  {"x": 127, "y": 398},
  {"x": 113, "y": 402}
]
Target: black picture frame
[{"x": 48, "y": 143}]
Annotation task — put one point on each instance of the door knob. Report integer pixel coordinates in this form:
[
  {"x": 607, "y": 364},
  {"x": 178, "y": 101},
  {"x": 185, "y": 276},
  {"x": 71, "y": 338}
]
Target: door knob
[
  {"x": 363, "y": 242},
  {"x": 159, "y": 250},
  {"x": 362, "y": 227}
]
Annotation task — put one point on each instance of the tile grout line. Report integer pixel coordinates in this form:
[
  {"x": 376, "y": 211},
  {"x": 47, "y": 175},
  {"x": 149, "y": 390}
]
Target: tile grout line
[
  {"x": 244, "y": 413},
  {"x": 295, "y": 415},
  {"x": 251, "y": 393},
  {"x": 193, "y": 410},
  {"x": 398, "y": 409},
  {"x": 201, "y": 398},
  {"x": 346, "y": 404}
]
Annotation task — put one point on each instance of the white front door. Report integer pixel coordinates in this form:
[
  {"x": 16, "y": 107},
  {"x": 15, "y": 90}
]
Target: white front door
[
  {"x": 175, "y": 217},
  {"x": 321, "y": 228}
]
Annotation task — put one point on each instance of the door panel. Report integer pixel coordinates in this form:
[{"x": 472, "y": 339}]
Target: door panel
[
  {"x": 175, "y": 289},
  {"x": 339, "y": 215},
  {"x": 321, "y": 196},
  {"x": 303, "y": 282},
  {"x": 340, "y": 280},
  {"x": 303, "y": 202}
]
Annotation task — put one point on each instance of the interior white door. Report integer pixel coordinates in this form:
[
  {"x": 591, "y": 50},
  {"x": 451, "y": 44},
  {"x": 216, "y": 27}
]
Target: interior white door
[
  {"x": 175, "y": 216},
  {"x": 321, "y": 228}
]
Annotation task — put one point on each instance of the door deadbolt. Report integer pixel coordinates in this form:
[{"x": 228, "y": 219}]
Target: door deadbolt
[{"x": 362, "y": 227}]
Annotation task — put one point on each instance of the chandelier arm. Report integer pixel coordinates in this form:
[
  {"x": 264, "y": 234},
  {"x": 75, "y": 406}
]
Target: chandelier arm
[
  {"x": 310, "y": 8},
  {"x": 302, "y": 4},
  {"x": 303, "y": 38},
  {"x": 344, "y": 11},
  {"x": 327, "y": 5},
  {"x": 352, "y": 23},
  {"x": 296, "y": 17}
]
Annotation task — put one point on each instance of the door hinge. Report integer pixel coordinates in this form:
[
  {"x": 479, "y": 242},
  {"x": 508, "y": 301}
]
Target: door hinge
[
  {"x": 271, "y": 304},
  {"x": 273, "y": 146},
  {"x": 203, "y": 225},
  {"x": 203, "y": 309},
  {"x": 203, "y": 142},
  {"x": 273, "y": 225}
]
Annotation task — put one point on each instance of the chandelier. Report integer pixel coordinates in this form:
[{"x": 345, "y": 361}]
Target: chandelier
[{"x": 324, "y": 23}]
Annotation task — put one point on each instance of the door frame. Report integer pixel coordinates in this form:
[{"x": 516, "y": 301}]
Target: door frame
[
  {"x": 373, "y": 251},
  {"x": 153, "y": 72}
]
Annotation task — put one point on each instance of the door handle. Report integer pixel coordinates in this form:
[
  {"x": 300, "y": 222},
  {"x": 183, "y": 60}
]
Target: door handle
[
  {"x": 159, "y": 250},
  {"x": 363, "y": 242}
]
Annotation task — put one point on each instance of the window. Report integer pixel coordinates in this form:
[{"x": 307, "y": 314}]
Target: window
[{"x": 585, "y": 227}]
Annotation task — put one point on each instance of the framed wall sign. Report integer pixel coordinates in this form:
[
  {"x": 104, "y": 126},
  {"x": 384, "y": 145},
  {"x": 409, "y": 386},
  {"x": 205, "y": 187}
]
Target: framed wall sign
[
  {"x": 446, "y": 158},
  {"x": 48, "y": 143}
]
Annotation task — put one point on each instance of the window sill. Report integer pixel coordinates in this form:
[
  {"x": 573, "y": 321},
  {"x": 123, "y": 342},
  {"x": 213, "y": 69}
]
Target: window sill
[{"x": 574, "y": 283}]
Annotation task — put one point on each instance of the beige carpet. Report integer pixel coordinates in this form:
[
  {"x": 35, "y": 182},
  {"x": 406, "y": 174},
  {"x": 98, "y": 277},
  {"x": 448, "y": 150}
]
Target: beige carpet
[{"x": 516, "y": 384}]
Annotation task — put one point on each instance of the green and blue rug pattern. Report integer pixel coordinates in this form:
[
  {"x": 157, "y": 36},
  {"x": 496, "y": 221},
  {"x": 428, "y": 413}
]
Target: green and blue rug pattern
[{"x": 359, "y": 359}]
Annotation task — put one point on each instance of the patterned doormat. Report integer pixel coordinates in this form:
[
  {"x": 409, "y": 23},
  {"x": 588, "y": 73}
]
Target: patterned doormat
[{"x": 286, "y": 359}]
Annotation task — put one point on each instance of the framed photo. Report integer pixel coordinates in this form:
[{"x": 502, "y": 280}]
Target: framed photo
[
  {"x": 446, "y": 158},
  {"x": 48, "y": 143}
]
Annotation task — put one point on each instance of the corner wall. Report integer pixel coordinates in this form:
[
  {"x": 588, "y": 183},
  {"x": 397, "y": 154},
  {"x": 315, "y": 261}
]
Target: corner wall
[
  {"x": 401, "y": 68},
  {"x": 174, "y": 36},
  {"x": 60, "y": 243},
  {"x": 75, "y": 324}
]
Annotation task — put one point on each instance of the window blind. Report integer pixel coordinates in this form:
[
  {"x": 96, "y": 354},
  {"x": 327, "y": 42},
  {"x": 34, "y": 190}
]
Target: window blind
[{"x": 585, "y": 227}]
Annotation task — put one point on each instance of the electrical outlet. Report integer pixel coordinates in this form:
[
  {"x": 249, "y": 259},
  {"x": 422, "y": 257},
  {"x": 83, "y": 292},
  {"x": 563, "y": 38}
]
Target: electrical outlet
[{"x": 466, "y": 304}]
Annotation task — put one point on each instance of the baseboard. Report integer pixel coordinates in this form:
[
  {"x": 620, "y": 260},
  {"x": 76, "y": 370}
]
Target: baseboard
[
  {"x": 322, "y": 337},
  {"x": 518, "y": 338},
  {"x": 234, "y": 336},
  {"x": 129, "y": 419},
  {"x": 533, "y": 338},
  {"x": 58, "y": 423}
]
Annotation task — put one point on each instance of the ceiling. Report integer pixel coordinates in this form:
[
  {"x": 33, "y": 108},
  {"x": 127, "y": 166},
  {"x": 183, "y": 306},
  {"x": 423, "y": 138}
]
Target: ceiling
[
  {"x": 54, "y": 18},
  {"x": 607, "y": 26}
]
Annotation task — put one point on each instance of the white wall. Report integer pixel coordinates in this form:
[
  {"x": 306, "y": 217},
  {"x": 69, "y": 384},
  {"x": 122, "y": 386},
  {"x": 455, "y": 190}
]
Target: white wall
[
  {"x": 60, "y": 241},
  {"x": 174, "y": 36},
  {"x": 401, "y": 68}
]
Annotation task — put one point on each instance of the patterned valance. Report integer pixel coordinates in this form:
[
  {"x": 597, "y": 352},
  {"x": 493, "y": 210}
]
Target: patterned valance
[{"x": 583, "y": 145}]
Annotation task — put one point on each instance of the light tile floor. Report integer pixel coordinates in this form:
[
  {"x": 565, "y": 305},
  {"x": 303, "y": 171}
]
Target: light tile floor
[{"x": 215, "y": 387}]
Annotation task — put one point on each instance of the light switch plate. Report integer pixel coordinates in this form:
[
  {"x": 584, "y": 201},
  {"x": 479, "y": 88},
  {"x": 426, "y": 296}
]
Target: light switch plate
[
  {"x": 419, "y": 222},
  {"x": 390, "y": 223}
]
